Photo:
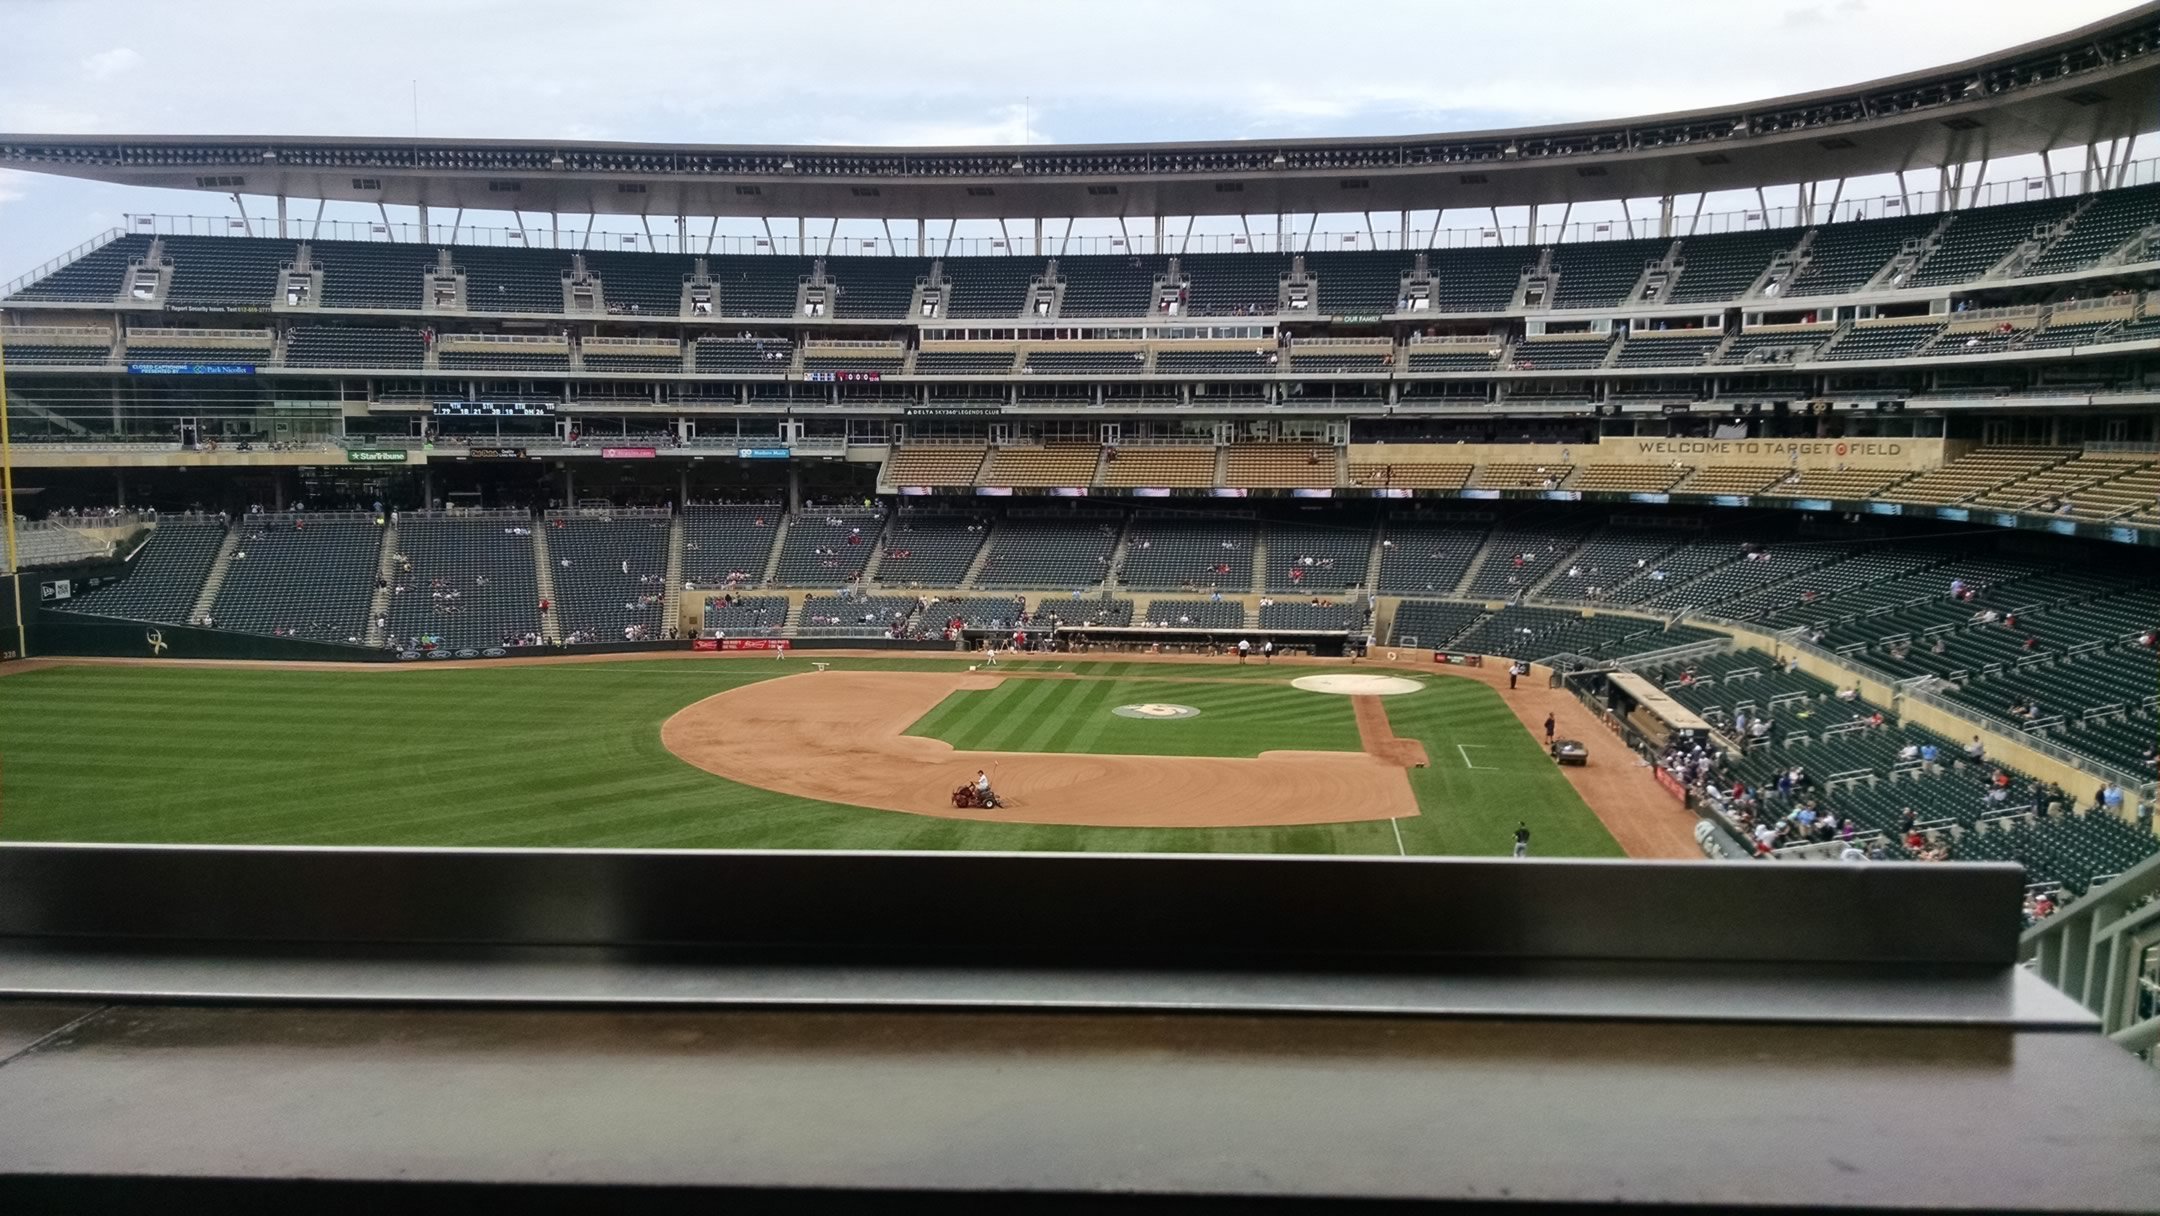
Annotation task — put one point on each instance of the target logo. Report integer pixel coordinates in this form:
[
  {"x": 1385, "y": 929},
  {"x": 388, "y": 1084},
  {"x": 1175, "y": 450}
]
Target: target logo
[{"x": 1156, "y": 710}]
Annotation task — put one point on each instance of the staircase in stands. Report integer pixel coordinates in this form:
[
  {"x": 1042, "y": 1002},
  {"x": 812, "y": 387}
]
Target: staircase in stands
[
  {"x": 212, "y": 582},
  {"x": 671, "y": 600},
  {"x": 981, "y": 559},
  {"x": 544, "y": 576},
  {"x": 385, "y": 567},
  {"x": 772, "y": 560},
  {"x": 1477, "y": 563}
]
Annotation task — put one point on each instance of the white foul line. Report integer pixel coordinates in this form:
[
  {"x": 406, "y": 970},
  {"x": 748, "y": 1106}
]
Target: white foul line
[
  {"x": 1397, "y": 825},
  {"x": 1464, "y": 748}
]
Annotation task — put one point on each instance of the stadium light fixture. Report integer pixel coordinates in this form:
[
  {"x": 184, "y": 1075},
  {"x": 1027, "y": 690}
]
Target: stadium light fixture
[
  {"x": 1280, "y": 161},
  {"x": 788, "y": 165}
]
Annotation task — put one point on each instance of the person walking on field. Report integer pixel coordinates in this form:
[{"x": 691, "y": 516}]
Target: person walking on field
[
  {"x": 1522, "y": 839},
  {"x": 1267, "y": 651},
  {"x": 1548, "y": 729},
  {"x": 1244, "y": 648},
  {"x": 1513, "y": 670}
]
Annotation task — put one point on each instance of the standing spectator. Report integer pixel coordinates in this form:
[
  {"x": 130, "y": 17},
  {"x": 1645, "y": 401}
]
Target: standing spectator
[{"x": 1549, "y": 724}]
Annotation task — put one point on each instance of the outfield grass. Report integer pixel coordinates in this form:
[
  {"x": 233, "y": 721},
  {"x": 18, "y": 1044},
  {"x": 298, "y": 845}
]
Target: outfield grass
[
  {"x": 570, "y": 755},
  {"x": 1236, "y": 719}
]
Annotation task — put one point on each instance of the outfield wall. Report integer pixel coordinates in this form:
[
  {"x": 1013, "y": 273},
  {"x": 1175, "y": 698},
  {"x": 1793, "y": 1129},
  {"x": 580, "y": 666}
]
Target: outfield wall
[{"x": 79, "y": 634}]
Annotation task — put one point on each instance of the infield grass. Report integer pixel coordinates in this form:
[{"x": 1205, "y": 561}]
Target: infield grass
[
  {"x": 570, "y": 755},
  {"x": 1243, "y": 718}
]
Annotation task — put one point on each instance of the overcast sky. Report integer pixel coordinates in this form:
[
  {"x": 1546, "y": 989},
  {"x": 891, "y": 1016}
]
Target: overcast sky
[{"x": 899, "y": 72}]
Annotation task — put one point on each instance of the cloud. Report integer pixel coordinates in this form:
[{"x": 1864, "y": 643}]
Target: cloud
[
  {"x": 105, "y": 65},
  {"x": 14, "y": 186}
]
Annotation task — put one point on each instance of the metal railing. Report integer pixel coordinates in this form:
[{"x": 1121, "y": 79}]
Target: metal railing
[
  {"x": 80, "y": 335},
  {"x": 263, "y": 337},
  {"x": 55, "y": 264}
]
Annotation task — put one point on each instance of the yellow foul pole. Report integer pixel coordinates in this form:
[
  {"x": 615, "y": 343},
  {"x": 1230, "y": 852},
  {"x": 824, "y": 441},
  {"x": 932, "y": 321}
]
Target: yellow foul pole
[{"x": 7, "y": 507}]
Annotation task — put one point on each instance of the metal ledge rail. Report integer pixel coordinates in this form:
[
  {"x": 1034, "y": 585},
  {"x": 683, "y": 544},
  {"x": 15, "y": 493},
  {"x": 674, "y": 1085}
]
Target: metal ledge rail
[{"x": 473, "y": 1030}]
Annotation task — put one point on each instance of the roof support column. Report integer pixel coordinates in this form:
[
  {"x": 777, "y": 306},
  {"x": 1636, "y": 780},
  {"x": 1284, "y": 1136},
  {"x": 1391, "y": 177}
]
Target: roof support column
[
  {"x": 426, "y": 234},
  {"x": 554, "y": 230},
  {"x": 1037, "y": 249},
  {"x": 1183, "y": 243},
  {"x": 585, "y": 241},
  {"x": 457, "y": 220},
  {"x": 281, "y": 217},
  {"x": 2047, "y": 171},
  {"x": 317, "y": 225},
  {"x": 1370, "y": 235},
  {"x": 1499, "y": 233},
  {"x": 891, "y": 246},
  {"x": 802, "y": 236},
  {"x": 1665, "y": 216},
  {"x": 1315, "y": 223},
  {"x": 384, "y": 212},
  {"x": 1695, "y": 216},
  {"x": 247, "y": 225},
  {"x": 1836, "y": 193},
  {"x": 922, "y": 237},
  {"x": 1403, "y": 241},
  {"x": 710, "y": 233},
  {"x": 682, "y": 233},
  {"x": 1158, "y": 249}
]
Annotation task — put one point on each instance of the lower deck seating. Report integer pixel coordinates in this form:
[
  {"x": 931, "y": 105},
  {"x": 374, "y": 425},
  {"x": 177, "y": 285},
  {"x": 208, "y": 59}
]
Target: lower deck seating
[
  {"x": 1426, "y": 557},
  {"x": 930, "y": 550},
  {"x": 1195, "y": 614},
  {"x": 299, "y": 576},
  {"x": 827, "y": 548},
  {"x": 751, "y": 616},
  {"x": 1033, "y": 552},
  {"x": 164, "y": 577},
  {"x": 728, "y": 545},
  {"x": 469, "y": 582},
  {"x": 610, "y": 576},
  {"x": 856, "y": 615},
  {"x": 1202, "y": 554}
]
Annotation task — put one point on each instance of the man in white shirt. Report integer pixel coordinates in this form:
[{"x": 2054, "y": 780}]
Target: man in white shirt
[{"x": 1244, "y": 648}]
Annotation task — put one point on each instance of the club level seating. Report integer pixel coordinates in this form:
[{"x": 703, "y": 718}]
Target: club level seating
[
  {"x": 2059, "y": 334},
  {"x": 594, "y": 598},
  {"x": 1608, "y": 559},
  {"x": 1171, "y": 467},
  {"x": 1279, "y": 464},
  {"x": 1035, "y": 552},
  {"x": 469, "y": 582},
  {"x": 58, "y": 356},
  {"x": 164, "y": 576},
  {"x": 1334, "y": 361},
  {"x": 338, "y": 346},
  {"x": 1411, "y": 476},
  {"x": 504, "y": 360},
  {"x": 1651, "y": 349},
  {"x": 1979, "y": 238},
  {"x": 1482, "y": 360},
  {"x": 1082, "y": 612},
  {"x": 1843, "y": 257},
  {"x": 1777, "y": 345},
  {"x": 2105, "y": 225},
  {"x": 873, "y": 359},
  {"x": 301, "y": 577},
  {"x": 1975, "y": 471},
  {"x": 1109, "y": 286},
  {"x": 963, "y": 362},
  {"x": 1425, "y": 557},
  {"x": 991, "y": 287},
  {"x": 1641, "y": 478},
  {"x": 1977, "y": 342},
  {"x": 1053, "y": 464},
  {"x": 1522, "y": 476},
  {"x": 2122, "y": 495},
  {"x": 752, "y": 616},
  {"x": 1195, "y": 614},
  {"x": 1519, "y": 555},
  {"x": 731, "y": 543},
  {"x": 642, "y": 365},
  {"x": 1086, "y": 362},
  {"x": 1432, "y": 624},
  {"x": 745, "y": 356},
  {"x": 640, "y": 284},
  {"x": 1896, "y": 340},
  {"x": 1734, "y": 479},
  {"x": 1567, "y": 353},
  {"x": 826, "y": 548},
  {"x": 96, "y": 277},
  {"x": 1170, "y": 552},
  {"x": 1329, "y": 616},
  {"x": 370, "y": 274},
  {"x": 218, "y": 272},
  {"x": 930, "y": 550},
  {"x": 2038, "y": 489},
  {"x": 1234, "y": 284},
  {"x": 1601, "y": 274},
  {"x": 934, "y": 464},
  {"x": 1833, "y": 483},
  {"x": 1316, "y": 557},
  {"x": 2144, "y": 329},
  {"x": 855, "y": 616},
  {"x": 1213, "y": 362},
  {"x": 1715, "y": 269}
]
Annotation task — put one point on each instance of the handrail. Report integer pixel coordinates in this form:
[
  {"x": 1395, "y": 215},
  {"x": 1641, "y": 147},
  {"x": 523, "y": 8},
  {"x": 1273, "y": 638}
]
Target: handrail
[
  {"x": 600, "y": 343},
  {"x": 103, "y": 333},
  {"x": 551, "y": 340},
  {"x": 170, "y": 334},
  {"x": 61, "y": 262}
]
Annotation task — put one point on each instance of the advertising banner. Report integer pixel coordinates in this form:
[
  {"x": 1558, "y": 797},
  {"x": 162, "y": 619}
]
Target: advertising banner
[
  {"x": 1458, "y": 660},
  {"x": 629, "y": 453}
]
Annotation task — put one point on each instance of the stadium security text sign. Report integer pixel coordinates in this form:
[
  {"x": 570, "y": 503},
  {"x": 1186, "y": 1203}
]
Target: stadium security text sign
[{"x": 375, "y": 456}]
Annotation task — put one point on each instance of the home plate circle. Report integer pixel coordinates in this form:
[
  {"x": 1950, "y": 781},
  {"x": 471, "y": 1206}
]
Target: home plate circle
[
  {"x": 1357, "y": 686},
  {"x": 1157, "y": 711}
]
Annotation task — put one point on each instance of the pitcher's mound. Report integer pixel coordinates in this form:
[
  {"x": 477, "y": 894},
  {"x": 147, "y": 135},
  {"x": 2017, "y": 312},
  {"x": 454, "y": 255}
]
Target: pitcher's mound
[{"x": 1357, "y": 686}]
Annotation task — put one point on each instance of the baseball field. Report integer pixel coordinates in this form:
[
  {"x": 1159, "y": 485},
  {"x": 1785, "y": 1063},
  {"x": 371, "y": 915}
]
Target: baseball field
[{"x": 1203, "y": 756}]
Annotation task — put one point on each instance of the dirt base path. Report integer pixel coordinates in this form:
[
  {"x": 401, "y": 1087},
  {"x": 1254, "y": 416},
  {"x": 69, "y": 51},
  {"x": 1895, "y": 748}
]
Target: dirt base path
[
  {"x": 1379, "y": 737},
  {"x": 837, "y": 736}
]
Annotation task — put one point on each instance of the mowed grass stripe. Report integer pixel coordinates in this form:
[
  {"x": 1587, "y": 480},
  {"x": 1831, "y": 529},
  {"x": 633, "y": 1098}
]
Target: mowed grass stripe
[{"x": 571, "y": 756}]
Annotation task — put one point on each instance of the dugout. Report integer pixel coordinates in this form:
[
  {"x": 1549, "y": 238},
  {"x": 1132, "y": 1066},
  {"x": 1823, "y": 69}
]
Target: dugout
[
  {"x": 1646, "y": 711},
  {"x": 1147, "y": 639}
]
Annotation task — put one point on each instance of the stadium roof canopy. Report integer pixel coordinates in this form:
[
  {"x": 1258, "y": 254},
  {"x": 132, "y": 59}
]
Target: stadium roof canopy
[{"x": 2087, "y": 86}]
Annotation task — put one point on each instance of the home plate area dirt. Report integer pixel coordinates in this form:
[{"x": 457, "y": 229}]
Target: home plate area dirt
[{"x": 838, "y": 736}]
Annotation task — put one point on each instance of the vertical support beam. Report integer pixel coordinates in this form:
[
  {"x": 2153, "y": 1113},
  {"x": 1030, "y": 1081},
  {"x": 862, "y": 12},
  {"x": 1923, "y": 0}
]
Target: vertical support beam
[
  {"x": 922, "y": 237},
  {"x": 682, "y": 234},
  {"x": 1403, "y": 240},
  {"x": 1836, "y": 194},
  {"x": 388, "y": 232},
  {"x": 1185, "y": 240},
  {"x": 1695, "y": 216},
  {"x": 1665, "y": 216},
  {"x": 832, "y": 234},
  {"x": 2047, "y": 170},
  {"x": 1311, "y": 224},
  {"x": 891, "y": 246},
  {"x": 569, "y": 486},
  {"x": 317, "y": 225},
  {"x": 281, "y": 232},
  {"x": 794, "y": 487},
  {"x": 585, "y": 241},
  {"x": 1036, "y": 250},
  {"x": 457, "y": 220},
  {"x": 1158, "y": 248},
  {"x": 554, "y": 230},
  {"x": 1499, "y": 233},
  {"x": 427, "y": 486},
  {"x": 710, "y": 233},
  {"x": 427, "y": 231},
  {"x": 802, "y": 236},
  {"x": 1370, "y": 235}
]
